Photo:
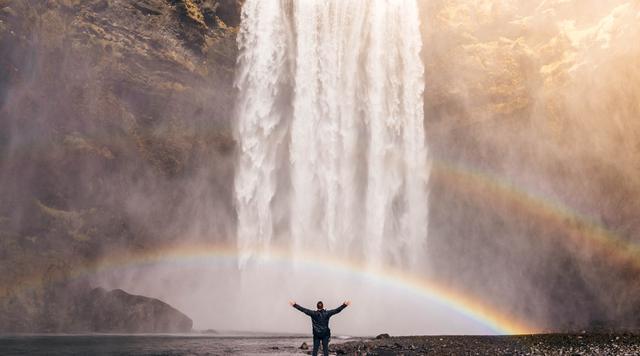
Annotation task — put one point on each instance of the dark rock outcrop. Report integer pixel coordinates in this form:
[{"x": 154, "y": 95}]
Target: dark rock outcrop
[
  {"x": 76, "y": 308},
  {"x": 120, "y": 312}
]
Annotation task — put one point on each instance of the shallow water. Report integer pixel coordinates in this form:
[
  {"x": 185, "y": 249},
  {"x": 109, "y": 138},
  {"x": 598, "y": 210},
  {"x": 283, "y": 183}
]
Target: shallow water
[{"x": 165, "y": 345}]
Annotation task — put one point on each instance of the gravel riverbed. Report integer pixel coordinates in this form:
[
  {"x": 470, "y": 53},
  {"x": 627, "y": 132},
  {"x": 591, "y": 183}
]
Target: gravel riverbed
[{"x": 543, "y": 344}]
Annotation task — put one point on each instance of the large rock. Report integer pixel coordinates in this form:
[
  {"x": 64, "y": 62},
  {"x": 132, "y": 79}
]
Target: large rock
[{"x": 120, "y": 312}]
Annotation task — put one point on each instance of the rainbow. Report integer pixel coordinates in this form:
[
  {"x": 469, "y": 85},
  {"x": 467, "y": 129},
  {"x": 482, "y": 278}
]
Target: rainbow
[
  {"x": 587, "y": 236},
  {"x": 470, "y": 183},
  {"x": 430, "y": 290}
]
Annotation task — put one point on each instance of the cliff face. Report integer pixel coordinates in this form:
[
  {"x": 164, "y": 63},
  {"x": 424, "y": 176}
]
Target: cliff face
[
  {"x": 534, "y": 107},
  {"x": 115, "y": 134},
  {"x": 103, "y": 105}
]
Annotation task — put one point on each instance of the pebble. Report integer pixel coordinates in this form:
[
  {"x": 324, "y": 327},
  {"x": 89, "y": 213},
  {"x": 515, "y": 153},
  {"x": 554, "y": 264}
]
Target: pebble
[{"x": 548, "y": 344}]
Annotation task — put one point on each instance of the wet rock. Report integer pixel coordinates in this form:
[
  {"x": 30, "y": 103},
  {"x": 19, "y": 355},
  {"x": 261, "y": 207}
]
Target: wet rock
[
  {"x": 304, "y": 346},
  {"x": 118, "y": 92},
  {"x": 544, "y": 344},
  {"x": 147, "y": 8},
  {"x": 100, "y": 5},
  {"x": 229, "y": 11},
  {"x": 382, "y": 336},
  {"x": 117, "y": 311}
]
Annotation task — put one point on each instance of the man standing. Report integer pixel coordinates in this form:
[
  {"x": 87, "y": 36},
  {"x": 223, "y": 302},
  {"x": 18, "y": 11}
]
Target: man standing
[{"x": 320, "y": 322}]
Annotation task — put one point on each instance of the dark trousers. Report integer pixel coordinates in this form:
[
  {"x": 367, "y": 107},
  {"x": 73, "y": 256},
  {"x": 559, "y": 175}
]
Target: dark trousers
[{"x": 325, "y": 345}]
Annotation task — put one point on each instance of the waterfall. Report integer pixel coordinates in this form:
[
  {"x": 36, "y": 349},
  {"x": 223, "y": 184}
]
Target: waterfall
[{"x": 332, "y": 153}]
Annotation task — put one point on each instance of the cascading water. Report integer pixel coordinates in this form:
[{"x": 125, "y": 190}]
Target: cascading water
[
  {"x": 331, "y": 177},
  {"x": 332, "y": 152}
]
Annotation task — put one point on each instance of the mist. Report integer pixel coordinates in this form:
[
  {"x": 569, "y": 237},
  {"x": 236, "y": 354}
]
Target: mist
[
  {"x": 117, "y": 138},
  {"x": 541, "y": 99}
]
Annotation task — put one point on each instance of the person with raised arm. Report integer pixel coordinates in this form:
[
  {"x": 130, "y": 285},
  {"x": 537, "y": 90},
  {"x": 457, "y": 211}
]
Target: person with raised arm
[{"x": 320, "y": 323}]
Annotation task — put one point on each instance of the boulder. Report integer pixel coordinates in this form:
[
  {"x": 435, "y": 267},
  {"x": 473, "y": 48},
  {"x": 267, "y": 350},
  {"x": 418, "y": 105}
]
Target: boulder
[{"x": 117, "y": 311}]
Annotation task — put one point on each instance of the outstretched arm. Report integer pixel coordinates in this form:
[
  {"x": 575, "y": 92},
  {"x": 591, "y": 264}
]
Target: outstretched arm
[
  {"x": 340, "y": 308},
  {"x": 302, "y": 309}
]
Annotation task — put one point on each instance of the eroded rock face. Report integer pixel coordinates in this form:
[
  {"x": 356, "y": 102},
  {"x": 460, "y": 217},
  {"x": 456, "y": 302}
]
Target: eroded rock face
[
  {"x": 115, "y": 117},
  {"x": 115, "y": 122},
  {"x": 536, "y": 100}
]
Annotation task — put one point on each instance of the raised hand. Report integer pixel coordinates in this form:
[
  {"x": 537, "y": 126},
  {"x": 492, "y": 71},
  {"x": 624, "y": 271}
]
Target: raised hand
[
  {"x": 292, "y": 303},
  {"x": 347, "y": 302}
]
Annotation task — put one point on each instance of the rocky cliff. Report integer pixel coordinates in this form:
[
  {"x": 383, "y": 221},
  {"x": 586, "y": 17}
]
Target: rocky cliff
[
  {"x": 532, "y": 116},
  {"x": 115, "y": 134},
  {"x": 104, "y": 104}
]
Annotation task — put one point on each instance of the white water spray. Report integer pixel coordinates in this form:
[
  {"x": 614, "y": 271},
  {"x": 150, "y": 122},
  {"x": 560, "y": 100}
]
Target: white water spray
[{"x": 332, "y": 152}]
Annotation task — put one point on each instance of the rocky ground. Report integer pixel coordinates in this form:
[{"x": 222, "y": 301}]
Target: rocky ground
[{"x": 546, "y": 344}]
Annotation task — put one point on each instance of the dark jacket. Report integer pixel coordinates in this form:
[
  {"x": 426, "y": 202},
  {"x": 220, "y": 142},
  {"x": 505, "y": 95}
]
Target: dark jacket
[{"x": 320, "y": 319}]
